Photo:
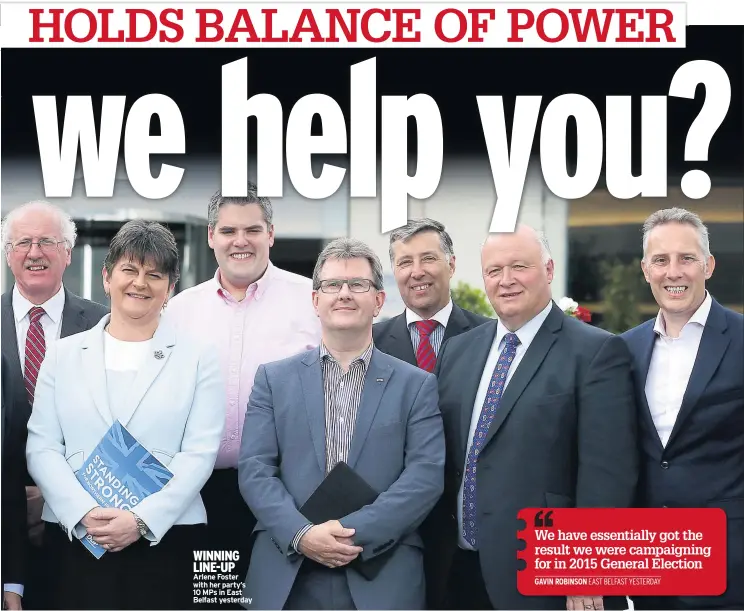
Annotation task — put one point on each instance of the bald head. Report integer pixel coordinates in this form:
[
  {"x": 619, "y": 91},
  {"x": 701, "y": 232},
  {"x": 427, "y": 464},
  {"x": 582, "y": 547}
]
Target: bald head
[
  {"x": 528, "y": 233},
  {"x": 517, "y": 272}
]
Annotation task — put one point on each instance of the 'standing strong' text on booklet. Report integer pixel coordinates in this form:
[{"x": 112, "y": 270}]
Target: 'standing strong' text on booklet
[{"x": 119, "y": 473}]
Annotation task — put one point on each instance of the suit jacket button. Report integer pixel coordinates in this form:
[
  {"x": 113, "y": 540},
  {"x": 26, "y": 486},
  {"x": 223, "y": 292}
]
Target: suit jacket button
[{"x": 664, "y": 465}]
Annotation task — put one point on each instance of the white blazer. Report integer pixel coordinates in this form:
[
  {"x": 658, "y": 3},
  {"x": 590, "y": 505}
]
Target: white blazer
[{"x": 177, "y": 412}]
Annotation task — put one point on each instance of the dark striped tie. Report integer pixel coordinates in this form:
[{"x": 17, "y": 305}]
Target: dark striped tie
[
  {"x": 35, "y": 351},
  {"x": 426, "y": 358}
]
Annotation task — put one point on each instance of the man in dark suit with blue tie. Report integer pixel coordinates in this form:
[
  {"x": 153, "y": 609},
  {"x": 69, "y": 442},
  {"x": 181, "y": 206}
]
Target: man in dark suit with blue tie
[
  {"x": 689, "y": 376},
  {"x": 538, "y": 411}
]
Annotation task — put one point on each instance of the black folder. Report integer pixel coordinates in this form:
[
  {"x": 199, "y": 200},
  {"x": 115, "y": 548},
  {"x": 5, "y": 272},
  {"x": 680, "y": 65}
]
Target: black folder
[{"x": 344, "y": 491}]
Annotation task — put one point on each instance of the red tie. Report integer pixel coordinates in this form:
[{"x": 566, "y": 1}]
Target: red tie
[
  {"x": 426, "y": 358},
  {"x": 35, "y": 350}
]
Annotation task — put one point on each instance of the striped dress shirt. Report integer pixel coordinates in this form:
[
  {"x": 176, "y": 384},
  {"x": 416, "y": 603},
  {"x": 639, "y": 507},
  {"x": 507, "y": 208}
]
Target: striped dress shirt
[
  {"x": 437, "y": 335},
  {"x": 342, "y": 393}
]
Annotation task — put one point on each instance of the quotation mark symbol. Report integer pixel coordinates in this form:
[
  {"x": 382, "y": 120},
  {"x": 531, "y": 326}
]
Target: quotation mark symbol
[{"x": 540, "y": 521}]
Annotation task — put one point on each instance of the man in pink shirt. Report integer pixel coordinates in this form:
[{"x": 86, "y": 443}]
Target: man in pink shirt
[{"x": 252, "y": 313}]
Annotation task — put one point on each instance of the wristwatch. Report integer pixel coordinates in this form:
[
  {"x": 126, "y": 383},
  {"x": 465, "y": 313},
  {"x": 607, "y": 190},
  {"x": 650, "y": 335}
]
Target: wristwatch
[{"x": 141, "y": 526}]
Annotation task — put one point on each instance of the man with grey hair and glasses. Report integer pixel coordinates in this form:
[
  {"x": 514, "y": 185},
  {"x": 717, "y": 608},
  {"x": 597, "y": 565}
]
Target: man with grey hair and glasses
[
  {"x": 38, "y": 239},
  {"x": 344, "y": 404},
  {"x": 423, "y": 261},
  {"x": 252, "y": 312},
  {"x": 689, "y": 376}
]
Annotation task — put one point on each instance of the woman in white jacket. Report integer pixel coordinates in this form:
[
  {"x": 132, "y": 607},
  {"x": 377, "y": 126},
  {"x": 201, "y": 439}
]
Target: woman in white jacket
[{"x": 168, "y": 394}]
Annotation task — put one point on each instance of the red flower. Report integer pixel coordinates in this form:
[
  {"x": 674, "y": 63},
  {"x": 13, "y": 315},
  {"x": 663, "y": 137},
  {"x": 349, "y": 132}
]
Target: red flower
[{"x": 583, "y": 314}]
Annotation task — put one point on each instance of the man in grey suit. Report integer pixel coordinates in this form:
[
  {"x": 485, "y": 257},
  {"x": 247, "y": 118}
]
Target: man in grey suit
[
  {"x": 344, "y": 401},
  {"x": 38, "y": 239}
]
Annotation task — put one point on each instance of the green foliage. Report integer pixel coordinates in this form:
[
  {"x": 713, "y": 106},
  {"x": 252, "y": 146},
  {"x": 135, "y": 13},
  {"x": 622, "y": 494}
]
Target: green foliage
[
  {"x": 473, "y": 299},
  {"x": 622, "y": 292}
]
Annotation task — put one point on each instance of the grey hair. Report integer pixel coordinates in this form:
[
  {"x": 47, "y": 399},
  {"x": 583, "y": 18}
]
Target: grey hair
[
  {"x": 544, "y": 247},
  {"x": 542, "y": 240},
  {"x": 676, "y": 215},
  {"x": 67, "y": 226},
  {"x": 218, "y": 201},
  {"x": 349, "y": 248},
  {"x": 416, "y": 226}
]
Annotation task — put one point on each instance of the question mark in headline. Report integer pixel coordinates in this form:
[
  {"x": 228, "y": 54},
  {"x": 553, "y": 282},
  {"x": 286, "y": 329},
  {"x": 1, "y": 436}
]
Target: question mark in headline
[{"x": 696, "y": 183}]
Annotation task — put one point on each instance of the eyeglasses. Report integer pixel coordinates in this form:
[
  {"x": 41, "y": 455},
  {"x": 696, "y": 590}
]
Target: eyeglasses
[
  {"x": 45, "y": 244},
  {"x": 356, "y": 285}
]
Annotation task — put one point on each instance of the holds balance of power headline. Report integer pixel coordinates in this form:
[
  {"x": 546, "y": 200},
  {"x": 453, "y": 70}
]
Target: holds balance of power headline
[
  {"x": 625, "y": 552},
  {"x": 370, "y": 25}
]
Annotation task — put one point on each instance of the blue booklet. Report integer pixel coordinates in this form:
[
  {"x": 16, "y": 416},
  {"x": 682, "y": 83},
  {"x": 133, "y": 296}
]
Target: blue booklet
[{"x": 119, "y": 473}]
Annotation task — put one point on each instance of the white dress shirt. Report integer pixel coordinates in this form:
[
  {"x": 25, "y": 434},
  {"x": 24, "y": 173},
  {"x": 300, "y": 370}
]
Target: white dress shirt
[
  {"x": 671, "y": 365},
  {"x": 436, "y": 337},
  {"x": 526, "y": 334},
  {"x": 51, "y": 321}
]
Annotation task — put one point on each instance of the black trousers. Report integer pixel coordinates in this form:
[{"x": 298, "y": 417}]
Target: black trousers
[
  {"x": 141, "y": 576},
  {"x": 467, "y": 590},
  {"x": 676, "y": 603},
  {"x": 229, "y": 522},
  {"x": 35, "y": 592}
]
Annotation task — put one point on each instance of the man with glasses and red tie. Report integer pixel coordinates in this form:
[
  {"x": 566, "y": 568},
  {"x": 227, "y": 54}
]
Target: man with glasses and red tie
[
  {"x": 423, "y": 262},
  {"x": 38, "y": 239}
]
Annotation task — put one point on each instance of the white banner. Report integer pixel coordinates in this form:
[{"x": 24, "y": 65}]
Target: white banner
[{"x": 363, "y": 25}]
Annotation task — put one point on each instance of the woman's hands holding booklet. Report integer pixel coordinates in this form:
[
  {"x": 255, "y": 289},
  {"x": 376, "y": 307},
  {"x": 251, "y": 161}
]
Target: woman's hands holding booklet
[{"x": 113, "y": 529}]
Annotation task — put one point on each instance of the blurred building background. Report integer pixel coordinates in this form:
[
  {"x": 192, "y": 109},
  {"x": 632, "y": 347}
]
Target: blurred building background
[
  {"x": 595, "y": 241},
  {"x": 604, "y": 242}
]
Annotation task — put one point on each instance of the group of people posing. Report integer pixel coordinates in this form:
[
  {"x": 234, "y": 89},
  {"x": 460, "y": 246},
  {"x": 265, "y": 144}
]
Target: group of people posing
[{"x": 254, "y": 385}]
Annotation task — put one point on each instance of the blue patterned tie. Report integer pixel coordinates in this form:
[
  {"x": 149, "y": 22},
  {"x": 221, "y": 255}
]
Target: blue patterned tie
[{"x": 490, "y": 405}]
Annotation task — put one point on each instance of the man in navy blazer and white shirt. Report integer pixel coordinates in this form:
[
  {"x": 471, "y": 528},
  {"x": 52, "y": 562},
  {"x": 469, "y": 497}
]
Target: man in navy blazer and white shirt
[{"x": 689, "y": 375}]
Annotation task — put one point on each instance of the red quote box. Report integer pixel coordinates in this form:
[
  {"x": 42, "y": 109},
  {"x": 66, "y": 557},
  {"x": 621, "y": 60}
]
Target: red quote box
[{"x": 625, "y": 552}]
